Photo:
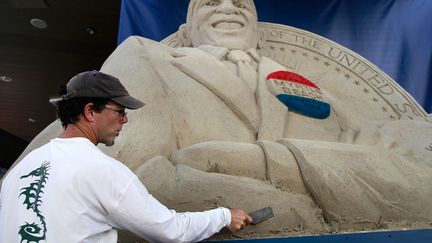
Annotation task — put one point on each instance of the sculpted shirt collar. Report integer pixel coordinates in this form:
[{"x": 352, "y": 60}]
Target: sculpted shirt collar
[{"x": 221, "y": 52}]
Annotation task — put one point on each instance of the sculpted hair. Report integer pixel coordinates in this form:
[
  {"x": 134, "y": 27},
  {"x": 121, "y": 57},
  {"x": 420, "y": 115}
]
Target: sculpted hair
[{"x": 68, "y": 111}]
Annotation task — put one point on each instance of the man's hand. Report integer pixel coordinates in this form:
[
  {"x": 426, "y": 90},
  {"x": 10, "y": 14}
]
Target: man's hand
[{"x": 239, "y": 219}]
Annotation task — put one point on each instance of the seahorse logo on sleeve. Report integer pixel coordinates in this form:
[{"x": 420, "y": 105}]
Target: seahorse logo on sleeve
[{"x": 36, "y": 231}]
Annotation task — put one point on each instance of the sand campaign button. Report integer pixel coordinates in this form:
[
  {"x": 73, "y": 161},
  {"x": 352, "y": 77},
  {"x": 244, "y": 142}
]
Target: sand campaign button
[{"x": 299, "y": 94}]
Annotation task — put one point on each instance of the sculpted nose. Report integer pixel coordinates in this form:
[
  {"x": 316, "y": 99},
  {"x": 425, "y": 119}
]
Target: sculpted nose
[{"x": 227, "y": 7}]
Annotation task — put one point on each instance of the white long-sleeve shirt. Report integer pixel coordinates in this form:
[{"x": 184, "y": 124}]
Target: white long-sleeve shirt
[{"x": 73, "y": 192}]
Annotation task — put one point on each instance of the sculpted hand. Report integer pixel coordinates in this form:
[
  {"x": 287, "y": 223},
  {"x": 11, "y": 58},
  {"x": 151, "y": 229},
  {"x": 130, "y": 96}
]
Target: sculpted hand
[
  {"x": 219, "y": 157},
  {"x": 239, "y": 219}
]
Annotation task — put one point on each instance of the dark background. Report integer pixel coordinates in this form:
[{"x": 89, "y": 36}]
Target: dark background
[{"x": 39, "y": 60}]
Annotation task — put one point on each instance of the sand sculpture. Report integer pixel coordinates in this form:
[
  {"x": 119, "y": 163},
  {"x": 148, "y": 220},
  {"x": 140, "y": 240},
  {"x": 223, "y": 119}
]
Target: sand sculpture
[{"x": 212, "y": 134}]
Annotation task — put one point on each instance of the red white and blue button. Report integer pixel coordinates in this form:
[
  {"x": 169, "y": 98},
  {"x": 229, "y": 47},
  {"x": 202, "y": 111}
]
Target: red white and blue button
[{"x": 299, "y": 94}]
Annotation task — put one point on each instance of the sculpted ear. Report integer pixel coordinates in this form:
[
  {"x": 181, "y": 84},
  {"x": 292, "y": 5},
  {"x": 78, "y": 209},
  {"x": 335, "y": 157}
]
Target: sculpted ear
[{"x": 183, "y": 36}]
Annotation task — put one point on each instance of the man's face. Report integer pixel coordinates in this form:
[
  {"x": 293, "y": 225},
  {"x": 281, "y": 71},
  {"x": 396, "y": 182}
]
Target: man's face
[
  {"x": 226, "y": 23},
  {"x": 109, "y": 123}
]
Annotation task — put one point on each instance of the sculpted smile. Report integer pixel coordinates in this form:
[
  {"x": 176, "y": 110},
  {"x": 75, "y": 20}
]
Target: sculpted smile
[{"x": 228, "y": 25}]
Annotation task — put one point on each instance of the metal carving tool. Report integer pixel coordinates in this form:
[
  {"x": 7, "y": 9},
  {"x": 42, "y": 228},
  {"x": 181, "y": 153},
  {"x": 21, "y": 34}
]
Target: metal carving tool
[{"x": 260, "y": 215}]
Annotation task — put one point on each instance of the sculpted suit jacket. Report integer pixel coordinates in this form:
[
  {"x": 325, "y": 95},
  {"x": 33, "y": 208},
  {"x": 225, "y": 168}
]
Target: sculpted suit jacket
[{"x": 196, "y": 98}]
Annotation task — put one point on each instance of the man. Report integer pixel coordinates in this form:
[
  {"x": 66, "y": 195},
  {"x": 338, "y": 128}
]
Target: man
[
  {"x": 220, "y": 135},
  {"x": 69, "y": 191}
]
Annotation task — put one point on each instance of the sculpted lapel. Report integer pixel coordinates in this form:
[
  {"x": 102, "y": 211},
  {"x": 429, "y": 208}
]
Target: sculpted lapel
[
  {"x": 214, "y": 75},
  {"x": 273, "y": 112},
  {"x": 261, "y": 112}
]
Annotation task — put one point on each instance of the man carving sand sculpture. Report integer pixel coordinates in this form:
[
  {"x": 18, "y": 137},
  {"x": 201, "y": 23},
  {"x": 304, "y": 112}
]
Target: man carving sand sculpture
[{"x": 213, "y": 133}]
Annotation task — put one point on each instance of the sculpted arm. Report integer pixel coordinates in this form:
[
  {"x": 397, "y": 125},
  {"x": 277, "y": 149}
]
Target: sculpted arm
[{"x": 265, "y": 160}]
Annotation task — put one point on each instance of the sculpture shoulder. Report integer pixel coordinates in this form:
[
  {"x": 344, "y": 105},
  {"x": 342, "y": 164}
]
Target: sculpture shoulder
[
  {"x": 134, "y": 61},
  {"x": 135, "y": 54},
  {"x": 140, "y": 46},
  {"x": 52, "y": 131}
]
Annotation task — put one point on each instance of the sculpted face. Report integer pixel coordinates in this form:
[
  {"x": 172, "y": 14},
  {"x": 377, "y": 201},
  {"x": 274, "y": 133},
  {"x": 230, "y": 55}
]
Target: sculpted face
[{"x": 226, "y": 23}]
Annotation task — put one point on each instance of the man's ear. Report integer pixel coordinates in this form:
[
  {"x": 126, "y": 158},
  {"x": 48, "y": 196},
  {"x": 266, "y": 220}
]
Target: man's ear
[{"x": 89, "y": 111}]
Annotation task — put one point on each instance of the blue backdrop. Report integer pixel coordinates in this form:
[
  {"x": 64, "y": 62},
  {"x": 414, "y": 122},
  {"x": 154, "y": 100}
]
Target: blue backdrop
[{"x": 395, "y": 35}]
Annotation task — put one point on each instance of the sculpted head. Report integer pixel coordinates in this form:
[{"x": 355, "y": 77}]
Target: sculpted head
[{"x": 226, "y": 23}]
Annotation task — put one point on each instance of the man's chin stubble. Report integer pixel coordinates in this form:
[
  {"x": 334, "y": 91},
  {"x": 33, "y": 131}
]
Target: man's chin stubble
[{"x": 109, "y": 144}]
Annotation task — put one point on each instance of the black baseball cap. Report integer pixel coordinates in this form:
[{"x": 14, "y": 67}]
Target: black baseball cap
[{"x": 95, "y": 84}]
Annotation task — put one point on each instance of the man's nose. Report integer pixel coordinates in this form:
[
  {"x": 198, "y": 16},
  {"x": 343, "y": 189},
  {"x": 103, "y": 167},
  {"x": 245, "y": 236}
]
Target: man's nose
[{"x": 227, "y": 7}]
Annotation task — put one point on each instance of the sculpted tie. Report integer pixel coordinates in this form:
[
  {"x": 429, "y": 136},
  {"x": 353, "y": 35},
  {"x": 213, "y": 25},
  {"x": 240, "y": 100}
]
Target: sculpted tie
[{"x": 245, "y": 67}]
